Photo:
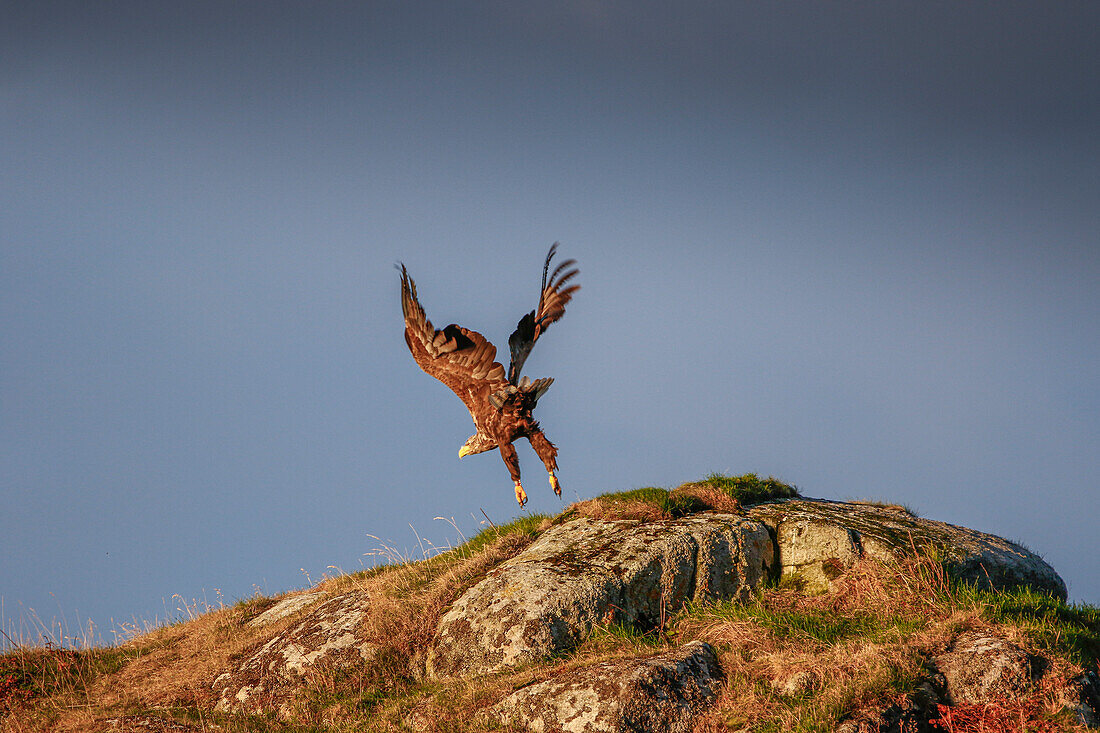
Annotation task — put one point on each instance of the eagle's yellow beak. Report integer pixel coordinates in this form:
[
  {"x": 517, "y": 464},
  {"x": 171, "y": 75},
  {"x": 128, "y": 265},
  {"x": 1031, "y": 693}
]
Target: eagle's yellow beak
[{"x": 464, "y": 451}]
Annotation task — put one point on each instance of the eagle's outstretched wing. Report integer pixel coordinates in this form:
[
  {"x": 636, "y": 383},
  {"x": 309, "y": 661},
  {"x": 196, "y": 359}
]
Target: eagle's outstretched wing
[
  {"x": 552, "y": 301},
  {"x": 460, "y": 358}
]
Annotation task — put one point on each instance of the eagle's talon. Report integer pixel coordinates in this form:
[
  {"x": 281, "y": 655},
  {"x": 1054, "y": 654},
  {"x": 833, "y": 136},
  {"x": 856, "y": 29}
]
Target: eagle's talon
[
  {"x": 521, "y": 495},
  {"x": 555, "y": 485}
]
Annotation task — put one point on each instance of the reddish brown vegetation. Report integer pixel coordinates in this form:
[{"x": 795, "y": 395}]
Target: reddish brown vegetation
[{"x": 1025, "y": 715}]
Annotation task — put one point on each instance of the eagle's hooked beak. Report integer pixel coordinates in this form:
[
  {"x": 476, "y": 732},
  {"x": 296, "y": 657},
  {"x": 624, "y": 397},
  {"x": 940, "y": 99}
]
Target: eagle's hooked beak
[{"x": 464, "y": 451}]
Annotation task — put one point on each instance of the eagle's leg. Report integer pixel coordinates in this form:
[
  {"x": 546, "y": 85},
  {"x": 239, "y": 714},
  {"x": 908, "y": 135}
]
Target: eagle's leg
[
  {"x": 549, "y": 455},
  {"x": 511, "y": 460}
]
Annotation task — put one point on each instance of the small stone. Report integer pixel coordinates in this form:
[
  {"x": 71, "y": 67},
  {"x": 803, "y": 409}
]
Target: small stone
[
  {"x": 1085, "y": 699},
  {"x": 979, "y": 668},
  {"x": 797, "y": 683}
]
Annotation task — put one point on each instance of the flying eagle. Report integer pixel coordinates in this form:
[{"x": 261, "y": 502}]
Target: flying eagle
[{"x": 464, "y": 361}]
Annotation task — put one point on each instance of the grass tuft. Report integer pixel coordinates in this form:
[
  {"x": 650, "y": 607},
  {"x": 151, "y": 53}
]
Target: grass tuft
[
  {"x": 749, "y": 488},
  {"x": 716, "y": 492}
]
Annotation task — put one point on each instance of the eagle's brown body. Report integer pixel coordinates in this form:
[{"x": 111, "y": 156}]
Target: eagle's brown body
[{"x": 464, "y": 360}]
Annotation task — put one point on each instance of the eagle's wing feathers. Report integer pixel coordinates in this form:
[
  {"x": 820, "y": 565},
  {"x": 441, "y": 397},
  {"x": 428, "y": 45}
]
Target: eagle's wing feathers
[
  {"x": 552, "y": 301},
  {"x": 462, "y": 359}
]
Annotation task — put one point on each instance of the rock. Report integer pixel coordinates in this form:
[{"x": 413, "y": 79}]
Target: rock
[
  {"x": 663, "y": 694},
  {"x": 1086, "y": 705},
  {"x": 325, "y": 637},
  {"x": 819, "y": 539},
  {"x": 979, "y": 668},
  {"x": 588, "y": 571},
  {"x": 912, "y": 713},
  {"x": 798, "y": 682},
  {"x": 286, "y": 607},
  {"x": 819, "y": 552}
]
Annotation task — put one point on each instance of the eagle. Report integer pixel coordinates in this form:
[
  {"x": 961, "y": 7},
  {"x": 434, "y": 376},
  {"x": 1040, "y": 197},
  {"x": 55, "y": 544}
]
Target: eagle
[{"x": 464, "y": 360}]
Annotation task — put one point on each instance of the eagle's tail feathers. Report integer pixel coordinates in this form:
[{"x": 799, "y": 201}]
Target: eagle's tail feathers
[{"x": 553, "y": 297}]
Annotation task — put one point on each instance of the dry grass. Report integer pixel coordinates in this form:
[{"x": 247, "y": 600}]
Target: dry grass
[
  {"x": 614, "y": 508},
  {"x": 170, "y": 670},
  {"x": 709, "y": 497},
  {"x": 166, "y": 668},
  {"x": 715, "y": 493},
  {"x": 805, "y": 662},
  {"x": 808, "y": 663},
  {"x": 651, "y": 505},
  {"x": 792, "y": 662},
  {"x": 406, "y": 603}
]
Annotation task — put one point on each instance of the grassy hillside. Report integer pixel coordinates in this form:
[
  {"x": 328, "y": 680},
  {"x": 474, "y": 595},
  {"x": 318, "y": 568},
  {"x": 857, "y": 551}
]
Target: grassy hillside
[{"x": 792, "y": 661}]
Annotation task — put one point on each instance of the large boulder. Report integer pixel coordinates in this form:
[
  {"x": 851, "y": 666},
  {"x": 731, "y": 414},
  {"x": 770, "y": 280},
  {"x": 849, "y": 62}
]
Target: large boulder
[
  {"x": 589, "y": 571},
  {"x": 819, "y": 539},
  {"x": 325, "y": 637},
  {"x": 658, "y": 694}
]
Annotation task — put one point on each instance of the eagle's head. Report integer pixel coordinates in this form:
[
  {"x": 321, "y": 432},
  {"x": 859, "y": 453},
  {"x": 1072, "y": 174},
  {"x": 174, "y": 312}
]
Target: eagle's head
[{"x": 476, "y": 444}]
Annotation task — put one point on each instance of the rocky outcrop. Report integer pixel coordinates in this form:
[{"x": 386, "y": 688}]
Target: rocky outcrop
[
  {"x": 588, "y": 571},
  {"x": 658, "y": 694},
  {"x": 324, "y": 637},
  {"x": 819, "y": 539}
]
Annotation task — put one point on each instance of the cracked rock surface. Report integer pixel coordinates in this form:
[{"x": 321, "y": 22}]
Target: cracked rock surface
[
  {"x": 546, "y": 599},
  {"x": 820, "y": 539},
  {"x": 662, "y": 693}
]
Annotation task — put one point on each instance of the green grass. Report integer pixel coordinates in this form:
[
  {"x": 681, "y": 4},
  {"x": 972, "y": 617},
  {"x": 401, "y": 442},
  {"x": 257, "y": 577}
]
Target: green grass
[
  {"x": 527, "y": 526},
  {"x": 750, "y": 488},
  {"x": 1071, "y": 630},
  {"x": 624, "y": 636},
  {"x": 823, "y": 626},
  {"x": 714, "y": 492}
]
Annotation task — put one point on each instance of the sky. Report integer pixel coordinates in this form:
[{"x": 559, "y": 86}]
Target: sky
[{"x": 855, "y": 246}]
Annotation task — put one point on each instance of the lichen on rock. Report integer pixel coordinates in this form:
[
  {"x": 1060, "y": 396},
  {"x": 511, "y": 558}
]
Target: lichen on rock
[
  {"x": 980, "y": 667},
  {"x": 817, "y": 538},
  {"x": 661, "y": 693},
  {"x": 546, "y": 599},
  {"x": 325, "y": 636}
]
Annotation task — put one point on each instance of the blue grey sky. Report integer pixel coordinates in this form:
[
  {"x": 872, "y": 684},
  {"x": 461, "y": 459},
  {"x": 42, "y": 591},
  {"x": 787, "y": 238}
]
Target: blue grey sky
[{"x": 855, "y": 246}]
